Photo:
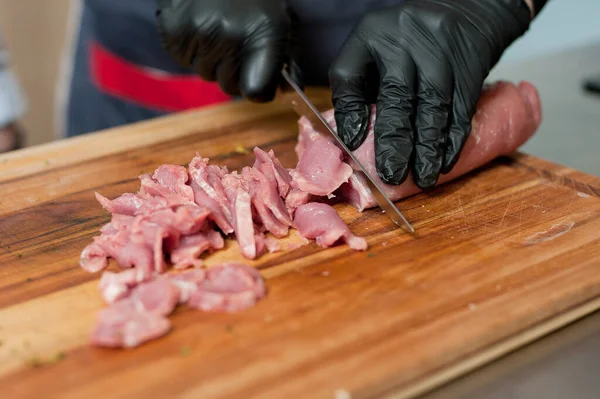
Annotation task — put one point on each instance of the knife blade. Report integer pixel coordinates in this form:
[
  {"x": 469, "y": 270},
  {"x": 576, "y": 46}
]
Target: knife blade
[{"x": 304, "y": 107}]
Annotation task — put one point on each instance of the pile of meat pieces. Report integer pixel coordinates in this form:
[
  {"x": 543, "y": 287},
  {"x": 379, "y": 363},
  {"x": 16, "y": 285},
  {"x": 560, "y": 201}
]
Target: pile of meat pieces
[{"x": 179, "y": 214}]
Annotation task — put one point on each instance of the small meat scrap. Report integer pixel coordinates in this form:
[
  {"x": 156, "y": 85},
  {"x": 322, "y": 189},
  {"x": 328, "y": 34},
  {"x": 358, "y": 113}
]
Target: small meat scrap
[
  {"x": 126, "y": 204},
  {"x": 229, "y": 288},
  {"x": 321, "y": 222},
  {"x": 265, "y": 161},
  {"x": 93, "y": 258}
]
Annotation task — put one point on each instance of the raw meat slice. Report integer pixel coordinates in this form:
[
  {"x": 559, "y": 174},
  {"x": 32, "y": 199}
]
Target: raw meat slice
[
  {"x": 230, "y": 288},
  {"x": 265, "y": 217},
  {"x": 269, "y": 194},
  {"x": 267, "y": 202},
  {"x": 216, "y": 213},
  {"x": 281, "y": 174},
  {"x": 209, "y": 179},
  {"x": 507, "y": 116},
  {"x": 321, "y": 222},
  {"x": 126, "y": 251},
  {"x": 158, "y": 296},
  {"x": 187, "y": 282},
  {"x": 93, "y": 258},
  {"x": 191, "y": 247},
  {"x": 153, "y": 236},
  {"x": 122, "y": 326},
  {"x": 150, "y": 188},
  {"x": 321, "y": 169},
  {"x": 126, "y": 204},
  {"x": 244, "y": 226},
  {"x": 185, "y": 219},
  {"x": 174, "y": 177}
]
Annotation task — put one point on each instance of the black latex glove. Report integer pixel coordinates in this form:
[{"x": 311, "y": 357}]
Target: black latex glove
[
  {"x": 423, "y": 63},
  {"x": 241, "y": 44}
]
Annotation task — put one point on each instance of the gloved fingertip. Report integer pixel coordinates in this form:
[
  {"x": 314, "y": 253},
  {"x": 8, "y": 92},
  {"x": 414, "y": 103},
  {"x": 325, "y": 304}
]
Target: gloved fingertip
[
  {"x": 449, "y": 162},
  {"x": 393, "y": 175},
  {"x": 426, "y": 181},
  {"x": 260, "y": 75},
  {"x": 352, "y": 126}
]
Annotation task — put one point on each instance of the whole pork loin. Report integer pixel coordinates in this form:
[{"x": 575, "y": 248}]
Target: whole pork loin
[{"x": 507, "y": 116}]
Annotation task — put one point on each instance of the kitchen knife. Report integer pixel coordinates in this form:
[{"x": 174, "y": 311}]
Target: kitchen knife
[{"x": 304, "y": 107}]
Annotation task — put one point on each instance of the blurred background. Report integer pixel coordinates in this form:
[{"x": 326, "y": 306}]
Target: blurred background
[{"x": 37, "y": 34}]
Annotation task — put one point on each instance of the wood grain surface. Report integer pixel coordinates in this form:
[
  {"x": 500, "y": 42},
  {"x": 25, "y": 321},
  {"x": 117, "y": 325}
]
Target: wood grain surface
[{"x": 500, "y": 257}]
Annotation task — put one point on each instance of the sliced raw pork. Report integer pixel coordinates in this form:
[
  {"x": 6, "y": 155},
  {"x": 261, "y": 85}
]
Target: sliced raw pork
[
  {"x": 122, "y": 326},
  {"x": 228, "y": 288},
  {"x": 190, "y": 248},
  {"x": 265, "y": 161},
  {"x": 321, "y": 168},
  {"x": 93, "y": 258},
  {"x": 321, "y": 222}
]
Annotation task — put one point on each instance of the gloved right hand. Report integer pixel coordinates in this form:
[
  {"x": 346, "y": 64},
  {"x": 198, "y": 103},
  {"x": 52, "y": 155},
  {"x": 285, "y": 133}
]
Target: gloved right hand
[{"x": 241, "y": 44}]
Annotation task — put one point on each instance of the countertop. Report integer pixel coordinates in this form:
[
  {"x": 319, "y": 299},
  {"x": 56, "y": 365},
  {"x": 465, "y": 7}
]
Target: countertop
[{"x": 565, "y": 363}]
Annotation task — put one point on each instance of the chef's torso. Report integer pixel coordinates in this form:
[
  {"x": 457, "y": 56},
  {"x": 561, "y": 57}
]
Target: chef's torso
[{"x": 121, "y": 74}]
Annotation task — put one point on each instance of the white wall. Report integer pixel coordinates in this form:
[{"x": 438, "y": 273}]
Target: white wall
[{"x": 561, "y": 24}]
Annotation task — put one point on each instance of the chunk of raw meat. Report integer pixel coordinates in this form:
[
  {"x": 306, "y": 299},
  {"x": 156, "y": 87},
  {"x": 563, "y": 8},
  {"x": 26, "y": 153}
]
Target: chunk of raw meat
[
  {"x": 269, "y": 206},
  {"x": 321, "y": 222},
  {"x": 191, "y": 247},
  {"x": 281, "y": 174},
  {"x": 507, "y": 116},
  {"x": 269, "y": 193},
  {"x": 209, "y": 179},
  {"x": 216, "y": 213},
  {"x": 150, "y": 189},
  {"x": 229, "y": 288},
  {"x": 127, "y": 250},
  {"x": 93, "y": 258},
  {"x": 158, "y": 296},
  {"x": 321, "y": 169},
  {"x": 122, "y": 326}
]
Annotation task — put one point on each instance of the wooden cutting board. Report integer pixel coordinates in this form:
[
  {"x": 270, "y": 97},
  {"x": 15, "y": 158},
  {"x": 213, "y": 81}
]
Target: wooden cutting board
[{"x": 501, "y": 257}]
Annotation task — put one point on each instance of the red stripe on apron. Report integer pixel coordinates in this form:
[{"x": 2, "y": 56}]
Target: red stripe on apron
[{"x": 149, "y": 88}]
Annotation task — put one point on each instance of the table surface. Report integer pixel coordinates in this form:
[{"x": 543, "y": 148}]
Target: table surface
[{"x": 565, "y": 363}]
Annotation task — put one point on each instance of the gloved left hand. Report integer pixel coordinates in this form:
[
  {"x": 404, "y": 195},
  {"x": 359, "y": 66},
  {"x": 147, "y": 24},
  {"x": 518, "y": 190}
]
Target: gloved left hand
[{"x": 424, "y": 64}]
